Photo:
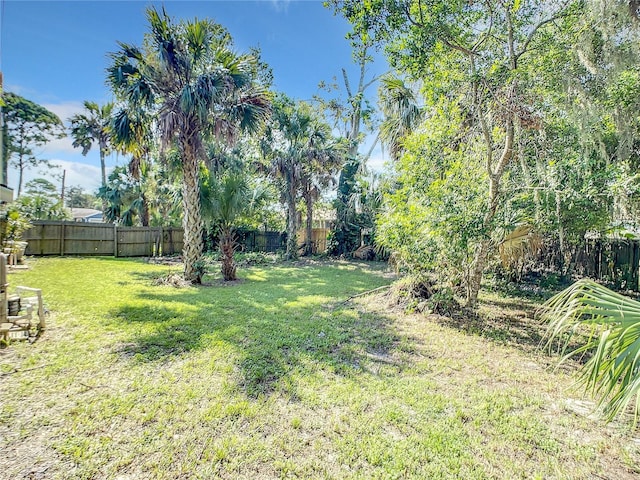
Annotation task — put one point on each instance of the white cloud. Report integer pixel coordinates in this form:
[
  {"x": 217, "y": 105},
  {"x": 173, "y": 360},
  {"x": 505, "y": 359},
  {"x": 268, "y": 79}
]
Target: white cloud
[
  {"x": 64, "y": 110},
  {"x": 60, "y": 145}
]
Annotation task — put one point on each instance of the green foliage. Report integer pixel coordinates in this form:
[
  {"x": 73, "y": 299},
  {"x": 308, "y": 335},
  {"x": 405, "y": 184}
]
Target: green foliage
[
  {"x": 432, "y": 214},
  {"x": 12, "y": 223},
  {"x": 76, "y": 197},
  {"x": 225, "y": 200},
  {"x": 536, "y": 100},
  {"x": 28, "y": 126},
  {"x": 94, "y": 126},
  {"x": 607, "y": 325},
  {"x": 122, "y": 197},
  {"x": 188, "y": 84},
  {"x": 41, "y": 201},
  {"x": 301, "y": 154}
]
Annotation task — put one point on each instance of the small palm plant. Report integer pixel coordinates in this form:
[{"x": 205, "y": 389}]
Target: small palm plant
[
  {"x": 225, "y": 200},
  {"x": 611, "y": 323}
]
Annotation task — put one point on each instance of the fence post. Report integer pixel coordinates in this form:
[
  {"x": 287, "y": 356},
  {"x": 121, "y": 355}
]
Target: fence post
[
  {"x": 115, "y": 240},
  {"x": 62, "y": 228}
]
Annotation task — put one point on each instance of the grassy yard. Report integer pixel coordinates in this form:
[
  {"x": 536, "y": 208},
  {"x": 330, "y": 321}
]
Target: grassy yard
[{"x": 277, "y": 377}]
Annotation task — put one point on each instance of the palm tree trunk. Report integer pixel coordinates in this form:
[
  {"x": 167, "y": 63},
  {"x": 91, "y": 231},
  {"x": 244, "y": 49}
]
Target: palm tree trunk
[
  {"x": 144, "y": 213},
  {"x": 308, "y": 243},
  {"x": 103, "y": 170},
  {"x": 227, "y": 249},
  {"x": 292, "y": 241},
  {"x": 192, "y": 216}
]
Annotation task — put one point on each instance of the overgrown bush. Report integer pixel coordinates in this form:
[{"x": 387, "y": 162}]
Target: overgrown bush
[{"x": 421, "y": 293}]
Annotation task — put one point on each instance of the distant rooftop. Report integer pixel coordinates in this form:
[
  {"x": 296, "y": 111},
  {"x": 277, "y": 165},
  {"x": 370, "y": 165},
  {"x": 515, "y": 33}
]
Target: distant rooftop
[{"x": 86, "y": 215}]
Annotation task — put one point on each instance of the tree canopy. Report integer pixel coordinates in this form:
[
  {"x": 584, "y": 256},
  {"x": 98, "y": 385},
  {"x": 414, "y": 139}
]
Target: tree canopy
[{"x": 29, "y": 127}]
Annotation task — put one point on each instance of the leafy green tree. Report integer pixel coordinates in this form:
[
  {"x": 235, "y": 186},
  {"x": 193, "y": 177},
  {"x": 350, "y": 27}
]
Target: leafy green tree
[
  {"x": 76, "y": 197},
  {"x": 123, "y": 199},
  {"x": 29, "y": 127},
  {"x": 41, "y": 201},
  {"x": 94, "y": 126},
  {"x": 187, "y": 78},
  {"x": 471, "y": 57}
]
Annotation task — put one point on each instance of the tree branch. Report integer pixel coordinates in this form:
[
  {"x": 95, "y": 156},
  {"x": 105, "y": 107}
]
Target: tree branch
[
  {"x": 346, "y": 82},
  {"x": 525, "y": 47}
]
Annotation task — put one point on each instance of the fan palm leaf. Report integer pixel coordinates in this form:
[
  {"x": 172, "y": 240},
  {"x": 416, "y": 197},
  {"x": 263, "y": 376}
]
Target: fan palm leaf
[
  {"x": 93, "y": 126},
  {"x": 611, "y": 323},
  {"x": 402, "y": 114}
]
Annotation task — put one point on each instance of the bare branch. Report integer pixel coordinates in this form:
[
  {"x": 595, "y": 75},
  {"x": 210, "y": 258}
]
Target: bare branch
[
  {"x": 346, "y": 82},
  {"x": 371, "y": 82}
]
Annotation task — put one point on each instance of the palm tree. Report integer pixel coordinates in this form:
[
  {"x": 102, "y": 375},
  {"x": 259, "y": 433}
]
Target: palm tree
[
  {"x": 225, "y": 200},
  {"x": 323, "y": 158},
  {"x": 611, "y": 324},
  {"x": 189, "y": 81},
  {"x": 93, "y": 126},
  {"x": 296, "y": 144},
  {"x": 402, "y": 114},
  {"x": 131, "y": 134}
]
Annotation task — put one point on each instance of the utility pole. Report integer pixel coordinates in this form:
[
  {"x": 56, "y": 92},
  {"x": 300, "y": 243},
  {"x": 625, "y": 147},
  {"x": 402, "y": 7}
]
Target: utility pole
[{"x": 64, "y": 175}]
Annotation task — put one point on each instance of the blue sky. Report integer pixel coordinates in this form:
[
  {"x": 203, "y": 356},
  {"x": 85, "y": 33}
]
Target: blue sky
[{"x": 55, "y": 53}]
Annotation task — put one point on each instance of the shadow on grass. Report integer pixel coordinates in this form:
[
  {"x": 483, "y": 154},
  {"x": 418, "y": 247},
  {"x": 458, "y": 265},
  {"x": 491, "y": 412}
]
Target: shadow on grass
[
  {"x": 506, "y": 321},
  {"x": 276, "y": 322}
]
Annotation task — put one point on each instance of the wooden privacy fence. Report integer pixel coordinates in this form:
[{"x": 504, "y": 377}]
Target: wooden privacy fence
[
  {"x": 318, "y": 239},
  {"x": 615, "y": 262},
  {"x": 105, "y": 239},
  {"x": 261, "y": 241},
  {"x": 74, "y": 238}
]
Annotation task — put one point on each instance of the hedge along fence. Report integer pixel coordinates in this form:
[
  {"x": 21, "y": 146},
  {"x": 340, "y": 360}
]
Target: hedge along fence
[{"x": 75, "y": 238}]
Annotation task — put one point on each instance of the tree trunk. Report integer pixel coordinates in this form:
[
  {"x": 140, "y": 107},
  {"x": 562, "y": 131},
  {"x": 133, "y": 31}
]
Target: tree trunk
[
  {"x": 495, "y": 177},
  {"x": 292, "y": 241},
  {"x": 561, "y": 242},
  {"x": 20, "y": 171},
  {"x": 144, "y": 213},
  {"x": 5, "y": 150},
  {"x": 477, "y": 270},
  {"x": 308, "y": 242},
  {"x": 192, "y": 217},
  {"x": 103, "y": 171},
  {"x": 227, "y": 249}
]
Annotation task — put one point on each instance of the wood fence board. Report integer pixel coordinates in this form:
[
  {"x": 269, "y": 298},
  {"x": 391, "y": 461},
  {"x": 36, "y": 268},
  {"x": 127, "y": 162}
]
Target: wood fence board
[{"x": 74, "y": 238}]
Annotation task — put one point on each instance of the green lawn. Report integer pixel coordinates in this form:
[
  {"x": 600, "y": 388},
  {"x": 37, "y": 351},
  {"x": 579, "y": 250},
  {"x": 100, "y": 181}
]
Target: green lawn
[{"x": 277, "y": 377}]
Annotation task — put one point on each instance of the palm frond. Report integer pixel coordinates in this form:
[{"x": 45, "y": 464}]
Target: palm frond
[{"x": 611, "y": 323}]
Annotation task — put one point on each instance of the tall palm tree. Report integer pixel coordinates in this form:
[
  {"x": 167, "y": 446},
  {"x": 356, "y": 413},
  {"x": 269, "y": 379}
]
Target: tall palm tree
[
  {"x": 401, "y": 111},
  {"x": 94, "y": 126},
  {"x": 324, "y": 157},
  {"x": 189, "y": 81},
  {"x": 131, "y": 134},
  {"x": 610, "y": 323},
  {"x": 292, "y": 143},
  {"x": 225, "y": 200}
]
